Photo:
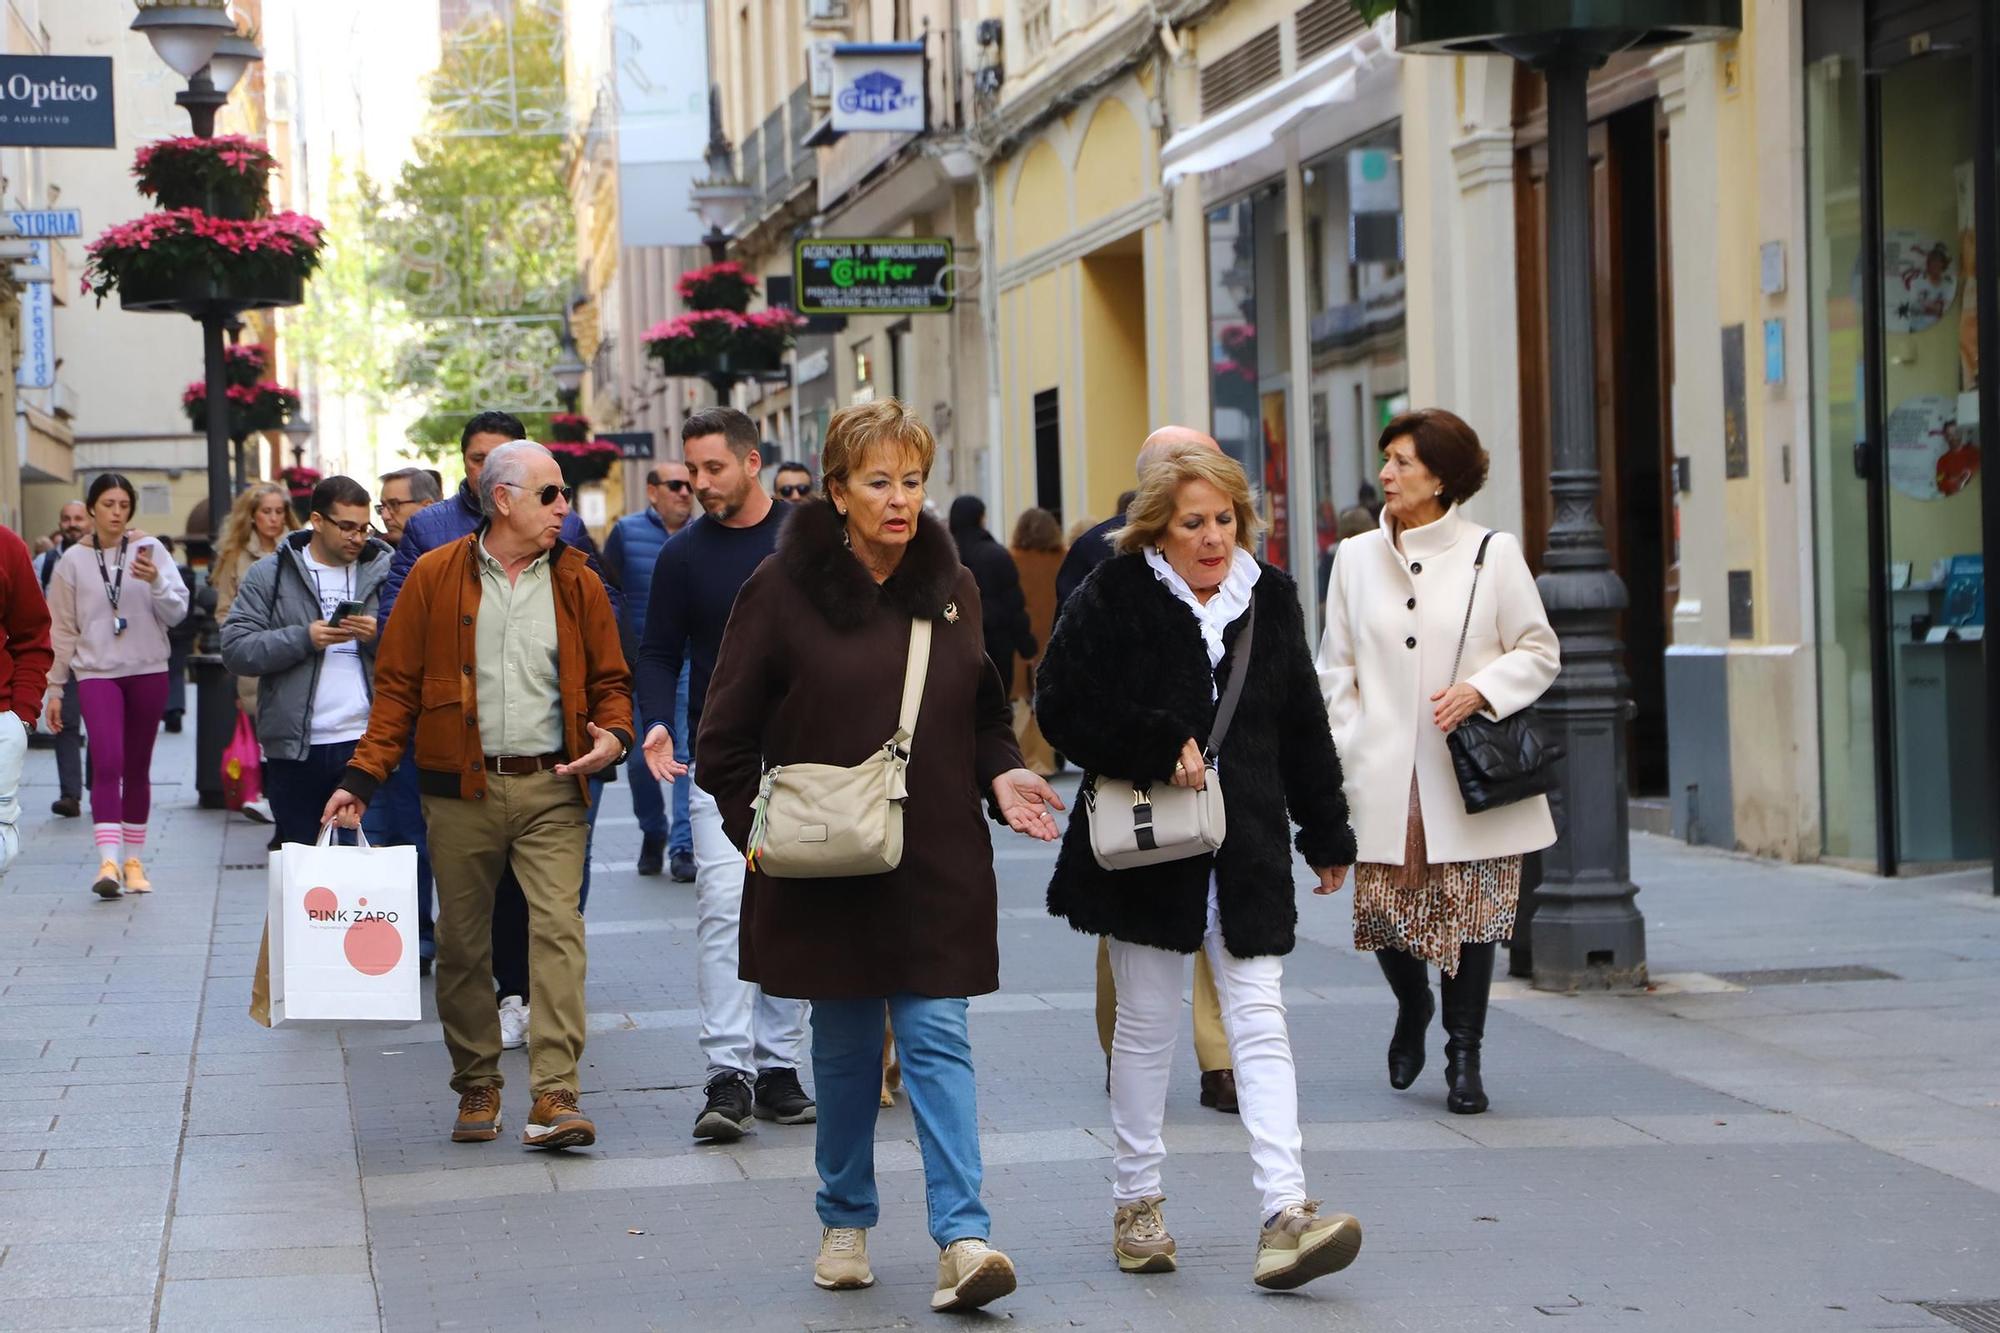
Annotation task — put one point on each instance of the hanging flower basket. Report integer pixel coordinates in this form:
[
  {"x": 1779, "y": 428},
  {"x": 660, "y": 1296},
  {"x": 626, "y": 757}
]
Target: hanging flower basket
[
  {"x": 225, "y": 177},
  {"x": 724, "y": 286},
  {"x": 245, "y": 363},
  {"x": 182, "y": 258},
  {"x": 583, "y": 463},
  {"x": 252, "y": 407},
  {"x": 706, "y": 342},
  {"x": 569, "y": 428}
]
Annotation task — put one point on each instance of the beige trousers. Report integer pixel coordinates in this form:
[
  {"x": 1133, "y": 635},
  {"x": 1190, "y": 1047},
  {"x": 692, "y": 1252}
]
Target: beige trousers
[{"x": 538, "y": 824}]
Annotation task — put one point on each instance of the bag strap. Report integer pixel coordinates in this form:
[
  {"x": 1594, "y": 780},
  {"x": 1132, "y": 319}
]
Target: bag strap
[
  {"x": 914, "y": 672},
  {"x": 1478, "y": 563},
  {"x": 1239, "y": 671}
]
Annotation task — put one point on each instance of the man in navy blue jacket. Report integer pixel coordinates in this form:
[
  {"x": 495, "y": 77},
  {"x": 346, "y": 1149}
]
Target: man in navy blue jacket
[
  {"x": 439, "y": 525},
  {"x": 630, "y": 552},
  {"x": 745, "y": 1033}
]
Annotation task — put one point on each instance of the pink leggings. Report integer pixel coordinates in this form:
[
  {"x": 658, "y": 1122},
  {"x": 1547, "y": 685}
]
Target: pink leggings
[{"x": 122, "y": 714}]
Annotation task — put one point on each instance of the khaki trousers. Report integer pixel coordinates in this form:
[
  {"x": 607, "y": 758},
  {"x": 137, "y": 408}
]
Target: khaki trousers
[
  {"x": 537, "y": 823},
  {"x": 1211, "y": 1042}
]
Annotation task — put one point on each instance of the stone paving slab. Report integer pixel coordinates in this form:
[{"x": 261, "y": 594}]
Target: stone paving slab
[{"x": 1711, "y": 1155}]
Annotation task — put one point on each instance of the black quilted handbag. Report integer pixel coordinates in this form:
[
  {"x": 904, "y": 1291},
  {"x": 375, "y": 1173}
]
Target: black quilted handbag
[{"x": 1497, "y": 763}]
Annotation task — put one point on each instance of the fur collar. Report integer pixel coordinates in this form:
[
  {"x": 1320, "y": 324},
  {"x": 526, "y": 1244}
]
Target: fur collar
[{"x": 813, "y": 556}]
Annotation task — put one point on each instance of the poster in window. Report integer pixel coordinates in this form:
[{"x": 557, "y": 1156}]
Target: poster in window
[
  {"x": 1919, "y": 279},
  {"x": 1923, "y": 432},
  {"x": 1275, "y": 479},
  {"x": 1968, "y": 312}
]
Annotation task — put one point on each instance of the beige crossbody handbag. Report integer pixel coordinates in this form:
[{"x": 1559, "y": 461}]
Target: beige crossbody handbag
[
  {"x": 1144, "y": 823},
  {"x": 821, "y": 821}
]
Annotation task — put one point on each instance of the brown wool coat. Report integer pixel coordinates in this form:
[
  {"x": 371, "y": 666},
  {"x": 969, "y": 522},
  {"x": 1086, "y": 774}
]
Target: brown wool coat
[{"x": 811, "y": 671}]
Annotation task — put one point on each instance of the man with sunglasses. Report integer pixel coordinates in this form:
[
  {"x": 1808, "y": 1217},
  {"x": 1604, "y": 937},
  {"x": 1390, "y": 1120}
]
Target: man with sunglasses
[
  {"x": 304, "y": 624},
  {"x": 793, "y": 482},
  {"x": 630, "y": 553}
]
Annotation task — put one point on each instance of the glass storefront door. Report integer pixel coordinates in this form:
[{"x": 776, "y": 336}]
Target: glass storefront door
[{"x": 1894, "y": 205}]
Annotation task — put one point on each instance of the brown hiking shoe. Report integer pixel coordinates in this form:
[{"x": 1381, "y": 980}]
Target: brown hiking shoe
[
  {"x": 556, "y": 1123},
  {"x": 1299, "y": 1245},
  {"x": 478, "y": 1116},
  {"x": 1139, "y": 1239}
]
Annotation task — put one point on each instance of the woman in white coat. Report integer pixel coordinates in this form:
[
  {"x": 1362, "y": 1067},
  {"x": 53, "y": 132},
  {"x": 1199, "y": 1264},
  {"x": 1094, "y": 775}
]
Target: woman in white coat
[{"x": 1433, "y": 884}]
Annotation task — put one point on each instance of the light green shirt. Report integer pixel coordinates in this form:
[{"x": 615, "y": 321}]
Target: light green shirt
[{"x": 519, "y": 690}]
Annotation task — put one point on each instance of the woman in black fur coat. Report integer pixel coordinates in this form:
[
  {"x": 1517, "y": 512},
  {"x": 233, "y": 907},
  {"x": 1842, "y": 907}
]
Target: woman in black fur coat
[{"x": 1128, "y": 689}]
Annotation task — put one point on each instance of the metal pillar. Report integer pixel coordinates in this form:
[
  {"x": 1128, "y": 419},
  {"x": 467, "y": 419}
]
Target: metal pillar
[
  {"x": 1587, "y": 932},
  {"x": 215, "y": 692}
]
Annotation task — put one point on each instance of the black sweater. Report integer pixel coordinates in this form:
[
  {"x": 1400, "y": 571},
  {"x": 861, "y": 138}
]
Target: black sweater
[{"x": 694, "y": 587}]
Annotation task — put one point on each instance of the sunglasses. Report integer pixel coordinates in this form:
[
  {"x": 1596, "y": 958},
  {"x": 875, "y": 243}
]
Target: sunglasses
[
  {"x": 547, "y": 494},
  {"x": 795, "y": 491},
  {"x": 676, "y": 485}
]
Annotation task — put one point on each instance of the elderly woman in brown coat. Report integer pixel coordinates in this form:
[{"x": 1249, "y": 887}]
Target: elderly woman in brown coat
[{"x": 810, "y": 672}]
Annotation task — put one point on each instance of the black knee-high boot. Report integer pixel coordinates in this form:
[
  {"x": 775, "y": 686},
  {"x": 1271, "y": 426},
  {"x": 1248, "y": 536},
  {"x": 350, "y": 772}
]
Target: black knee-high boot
[
  {"x": 1410, "y": 979},
  {"x": 1464, "y": 1025}
]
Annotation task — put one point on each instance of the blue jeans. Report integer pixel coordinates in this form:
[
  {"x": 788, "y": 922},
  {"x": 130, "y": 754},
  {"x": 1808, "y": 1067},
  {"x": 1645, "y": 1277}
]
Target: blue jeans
[
  {"x": 300, "y": 788},
  {"x": 395, "y": 818},
  {"x": 936, "y": 1052},
  {"x": 647, "y": 805}
]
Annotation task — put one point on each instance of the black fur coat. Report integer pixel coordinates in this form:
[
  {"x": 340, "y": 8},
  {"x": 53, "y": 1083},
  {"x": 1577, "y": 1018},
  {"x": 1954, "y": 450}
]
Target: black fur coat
[{"x": 1124, "y": 683}]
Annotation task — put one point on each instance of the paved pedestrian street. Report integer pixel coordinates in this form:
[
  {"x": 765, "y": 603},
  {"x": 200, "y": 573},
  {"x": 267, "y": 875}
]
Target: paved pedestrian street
[{"x": 1812, "y": 1150}]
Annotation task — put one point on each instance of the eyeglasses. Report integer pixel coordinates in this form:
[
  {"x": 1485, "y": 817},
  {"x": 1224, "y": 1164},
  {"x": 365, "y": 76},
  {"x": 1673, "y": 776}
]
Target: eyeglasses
[
  {"x": 390, "y": 508},
  {"x": 795, "y": 490},
  {"x": 547, "y": 494},
  {"x": 347, "y": 529},
  {"x": 675, "y": 484}
]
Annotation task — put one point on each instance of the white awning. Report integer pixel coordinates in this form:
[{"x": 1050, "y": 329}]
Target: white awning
[{"x": 1238, "y": 131}]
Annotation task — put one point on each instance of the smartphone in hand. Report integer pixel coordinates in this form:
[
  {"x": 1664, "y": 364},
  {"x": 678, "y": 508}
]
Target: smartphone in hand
[{"x": 343, "y": 611}]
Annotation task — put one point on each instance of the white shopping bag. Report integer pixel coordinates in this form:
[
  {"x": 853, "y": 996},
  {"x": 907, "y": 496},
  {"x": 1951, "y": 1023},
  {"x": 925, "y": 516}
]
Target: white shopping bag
[{"x": 343, "y": 927}]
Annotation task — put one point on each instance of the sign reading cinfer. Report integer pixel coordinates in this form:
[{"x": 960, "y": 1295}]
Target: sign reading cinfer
[
  {"x": 56, "y": 102},
  {"x": 879, "y": 86},
  {"x": 886, "y": 276}
]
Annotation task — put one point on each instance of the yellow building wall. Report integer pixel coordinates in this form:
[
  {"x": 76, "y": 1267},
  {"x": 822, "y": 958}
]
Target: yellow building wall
[
  {"x": 1111, "y": 164},
  {"x": 1113, "y": 318},
  {"x": 1039, "y": 213}
]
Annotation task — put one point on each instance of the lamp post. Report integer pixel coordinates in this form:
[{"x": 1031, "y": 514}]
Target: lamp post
[
  {"x": 1586, "y": 931},
  {"x": 569, "y": 370},
  {"x": 199, "y": 42},
  {"x": 719, "y": 197},
  {"x": 297, "y": 431}
]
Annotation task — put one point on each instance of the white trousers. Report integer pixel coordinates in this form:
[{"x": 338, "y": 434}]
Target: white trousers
[
  {"x": 1150, "y": 982},
  {"x": 13, "y": 754},
  {"x": 742, "y": 1028}
]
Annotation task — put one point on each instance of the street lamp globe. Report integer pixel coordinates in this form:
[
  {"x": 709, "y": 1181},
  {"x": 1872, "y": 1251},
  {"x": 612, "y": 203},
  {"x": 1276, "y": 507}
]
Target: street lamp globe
[
  {"x": 232, "y": 60},
  {"x": 185, "y": 36},
  {"x": 297, "y": 431},
  {"x": 569, "y": 372}
]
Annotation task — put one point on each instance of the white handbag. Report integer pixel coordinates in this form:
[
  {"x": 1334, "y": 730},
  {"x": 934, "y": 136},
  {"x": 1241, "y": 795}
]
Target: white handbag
[
  {"x": 822, "y": 821},
  {"x": 1136, "y": 824},
  {"x": 343, "y": 933}
]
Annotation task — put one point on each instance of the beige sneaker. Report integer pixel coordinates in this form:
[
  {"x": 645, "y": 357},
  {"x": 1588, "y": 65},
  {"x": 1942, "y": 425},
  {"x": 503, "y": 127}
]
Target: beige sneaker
[
  {"x": 843, "y": 1259},
  {"x": 971, "y": 1273},
  {"x": 1300, "y": 1245},
  {"x": 109, "y": 884},
  {"x": 1139, "y": 1239},
  {"x": 135, "y": 876}
]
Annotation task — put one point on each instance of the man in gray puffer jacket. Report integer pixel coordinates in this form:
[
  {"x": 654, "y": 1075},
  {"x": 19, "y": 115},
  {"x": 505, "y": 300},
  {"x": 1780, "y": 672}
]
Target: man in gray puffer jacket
[{"x": 304, "y": 623}]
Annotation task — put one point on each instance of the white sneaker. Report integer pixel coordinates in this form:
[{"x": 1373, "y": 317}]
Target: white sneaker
[
  {"x": 513, "y": 1023},
  {"x": 258, "y": 811}
]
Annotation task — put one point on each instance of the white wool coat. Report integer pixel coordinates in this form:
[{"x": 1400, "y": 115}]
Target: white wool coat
[{"x": 1392, "y": 625}]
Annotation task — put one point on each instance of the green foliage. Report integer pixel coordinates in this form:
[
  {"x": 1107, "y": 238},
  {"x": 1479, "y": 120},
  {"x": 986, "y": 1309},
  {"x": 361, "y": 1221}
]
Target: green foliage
[
  {"x": 348, "y": 329},
  {"x": 476, "y": 239}
]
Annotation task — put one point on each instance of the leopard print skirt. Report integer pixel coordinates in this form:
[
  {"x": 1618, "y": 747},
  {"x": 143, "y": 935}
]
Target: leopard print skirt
[{"x": 1428, "y": 910}]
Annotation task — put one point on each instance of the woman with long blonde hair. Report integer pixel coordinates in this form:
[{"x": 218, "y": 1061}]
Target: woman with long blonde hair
[{"x": 257, "y": 522}]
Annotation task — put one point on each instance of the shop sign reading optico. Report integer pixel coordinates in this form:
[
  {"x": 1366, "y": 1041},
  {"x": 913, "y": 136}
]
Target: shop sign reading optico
[
  {"x": 56, "y": 102},
  {"x": 887, "y": 276}
]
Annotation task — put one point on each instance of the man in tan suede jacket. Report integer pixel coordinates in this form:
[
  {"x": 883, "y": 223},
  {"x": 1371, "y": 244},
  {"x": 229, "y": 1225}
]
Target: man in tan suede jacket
[{"x": 503, "y": 663}]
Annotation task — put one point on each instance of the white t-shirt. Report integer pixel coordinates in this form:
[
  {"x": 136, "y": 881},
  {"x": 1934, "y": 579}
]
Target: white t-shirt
[{"x": 340, "y": 707}]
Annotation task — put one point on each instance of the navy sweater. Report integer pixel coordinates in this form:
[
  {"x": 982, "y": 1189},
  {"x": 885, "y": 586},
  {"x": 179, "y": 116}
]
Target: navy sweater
[{"x": 694, "y": 586}]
